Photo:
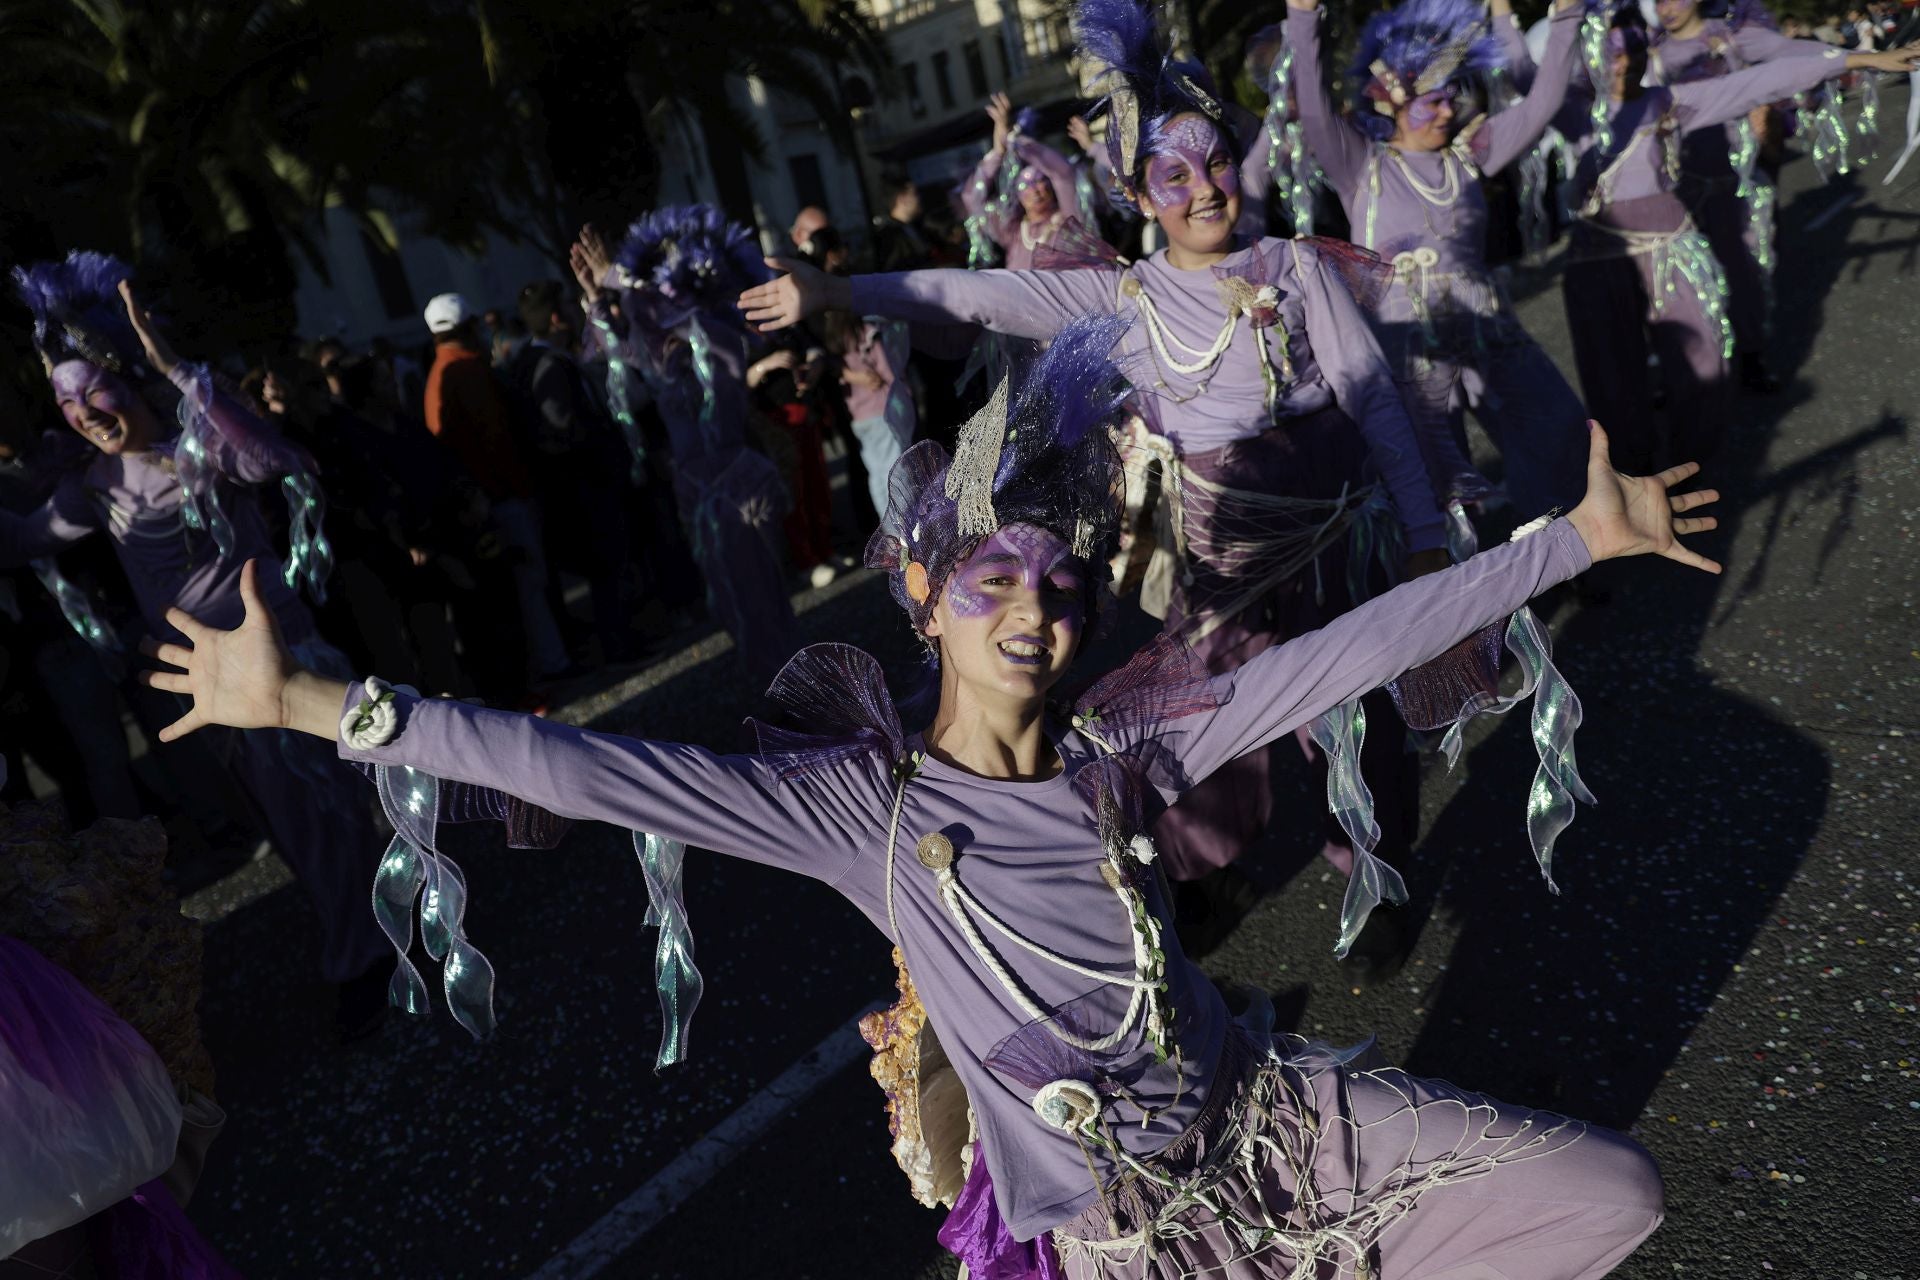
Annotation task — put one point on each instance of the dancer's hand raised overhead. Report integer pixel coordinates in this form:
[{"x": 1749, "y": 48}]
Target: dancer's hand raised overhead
[
  {"x": 244, "y": 678},
  {"x": 1636, "y": 515},
  {"x": 787, "y": 300}
]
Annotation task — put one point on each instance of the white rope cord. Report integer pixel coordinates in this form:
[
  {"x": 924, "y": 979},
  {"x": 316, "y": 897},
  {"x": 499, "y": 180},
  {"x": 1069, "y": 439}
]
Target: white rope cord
[
  {"x": 1159, "y": 334},
  {"x": 951, "y": 894},
  {"x": 1278, "y": 1124},
  {"x": 893, "y": 841}
]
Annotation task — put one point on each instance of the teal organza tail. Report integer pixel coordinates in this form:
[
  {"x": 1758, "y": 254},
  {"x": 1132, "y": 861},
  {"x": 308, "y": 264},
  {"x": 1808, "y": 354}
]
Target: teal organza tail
[
  {"x": 1339, "y": 733},
  {"x": 414, "y": 870},
  {"x": 675, "y": 977}
]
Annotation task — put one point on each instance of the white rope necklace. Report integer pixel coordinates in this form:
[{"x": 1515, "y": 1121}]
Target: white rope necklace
[
  {"x": 1445, "y": 193},
  {"x": 935, "y": 852}
]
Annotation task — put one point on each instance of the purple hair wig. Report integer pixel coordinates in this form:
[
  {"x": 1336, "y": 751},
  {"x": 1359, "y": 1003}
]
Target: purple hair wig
[
  {"x": 1414, "y": 48},
  {"x": 689, "y": 259},
  {"x": 77, "y": 311}
]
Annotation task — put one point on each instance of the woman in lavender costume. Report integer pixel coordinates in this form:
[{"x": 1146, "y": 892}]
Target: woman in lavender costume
[
  {"x": 1127, "y": 1126},
  {"x": 676, "y": 273},
  {"x": 1411, "y": 184},
  {"x": 1028, "y": 206},
  {"x": 1730, "y": 201},
  {"x": 1268, "y": 399},
  {"x": 174, "y": 506},
  {"x": 1638, "y": 272}
]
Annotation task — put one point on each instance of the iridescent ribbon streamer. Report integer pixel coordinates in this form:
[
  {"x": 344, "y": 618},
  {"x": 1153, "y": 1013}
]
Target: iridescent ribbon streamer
[
  {"x": 618, "y": 389},
  {"x": 1866, "y": 126},
  {"x": 1556, "y": 715},
  {"x": 200, "y": 506},
  {"x": 675, "y": 978},
  {"x": 414, "y": 869},
  {"x": 1593, "y": 48},
  {"x": 1690, "y": 257},
  {"x": 1759, "y": 198},
  {"x": 1373, "y": 538},
  {"x": 701, "y": 348},
  {"x": 309, "y": 554},
  {"x": 1340, "y": 733},
  {"x": 1463, "y": 540},
  {"x": 77, "y": 608},
  {"x": 1290, "y": 167}
]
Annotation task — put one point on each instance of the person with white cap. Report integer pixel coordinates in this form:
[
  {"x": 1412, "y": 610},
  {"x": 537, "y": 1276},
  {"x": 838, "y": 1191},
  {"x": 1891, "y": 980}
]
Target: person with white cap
[{"x": 468, "y": 412}]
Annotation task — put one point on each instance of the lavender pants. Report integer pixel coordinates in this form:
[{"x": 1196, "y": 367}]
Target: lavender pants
[
  {"x": 1424, "y": 1180},
  {"x": 1611, "y": 299}
]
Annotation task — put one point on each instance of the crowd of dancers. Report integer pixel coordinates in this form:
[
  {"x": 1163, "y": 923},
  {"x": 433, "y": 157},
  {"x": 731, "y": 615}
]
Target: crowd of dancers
[{"x": 1180, "y": 393}]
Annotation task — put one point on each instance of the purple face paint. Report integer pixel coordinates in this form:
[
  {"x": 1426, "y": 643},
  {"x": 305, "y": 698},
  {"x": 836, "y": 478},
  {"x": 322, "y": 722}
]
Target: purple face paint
[
  {"x": 1188, "y": 159},
  {"x": 1034, "y": 190},
  {"x": 95, "y": 402},
  {"x": 1022, "y": 558},
  {"x": 1424, "y": 110}
]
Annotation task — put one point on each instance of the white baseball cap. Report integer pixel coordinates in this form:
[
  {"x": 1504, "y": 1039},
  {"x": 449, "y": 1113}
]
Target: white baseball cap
[{"x": 446, "y": 312}]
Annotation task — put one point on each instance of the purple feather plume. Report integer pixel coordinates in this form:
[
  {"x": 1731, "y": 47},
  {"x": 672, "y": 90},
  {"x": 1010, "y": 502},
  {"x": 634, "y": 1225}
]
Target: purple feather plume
[
  {"x": 687, "y": 259},
  {"x": 1406, "y": 40},
  {"x": 77, "y": 311},
  {"x": 1119, "y": 40}
]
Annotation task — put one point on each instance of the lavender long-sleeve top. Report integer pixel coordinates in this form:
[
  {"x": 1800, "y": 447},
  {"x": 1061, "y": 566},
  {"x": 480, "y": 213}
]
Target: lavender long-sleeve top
[
  {"x": 1335, "y": 357},
  {"x": 1029, "y": 852},
  {"x": 136, "y": 498},
  {"x": 1401, "y": 202},
  {"x": 1635, "y": 165},
  {"x": 1717, "y": 51},
  {"x": 1005, "y": 219}
]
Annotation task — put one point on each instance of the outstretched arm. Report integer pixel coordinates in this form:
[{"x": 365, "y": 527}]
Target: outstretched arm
[
  {"x": 245, "y": 678},
  {"x": 1708, "y": 102},
  {"x": 1510, "y": 134},
  {"x": 1291, "y": 684},
  {"x": 1756, "y": 44},
  {"x": 1336, "y": 145},
  {"x": 238, "y": 445},
  {"x": 1026, "y": 304}
]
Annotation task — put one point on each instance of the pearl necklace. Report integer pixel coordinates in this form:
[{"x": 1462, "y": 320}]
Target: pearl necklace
[{"x": 1443, "y": 195}]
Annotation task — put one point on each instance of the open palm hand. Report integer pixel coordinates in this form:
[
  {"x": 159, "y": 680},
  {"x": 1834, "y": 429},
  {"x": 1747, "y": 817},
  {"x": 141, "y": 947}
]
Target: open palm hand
[
  {"x": 236, "y": 678},
  {"x": 1626, "y": 515}
]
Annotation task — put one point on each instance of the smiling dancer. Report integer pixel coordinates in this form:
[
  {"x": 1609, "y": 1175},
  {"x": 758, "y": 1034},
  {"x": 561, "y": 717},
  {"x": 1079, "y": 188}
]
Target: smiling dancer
[
  {"x": 1023, "y": 193},
  {"x": 1638, "y": 272},
  {"x": 1411, "y": 179},
  {"x": 1267, "y": 399},
  {"x": 1127, "y": 1127},
  {"x": 171, "y": 501}
]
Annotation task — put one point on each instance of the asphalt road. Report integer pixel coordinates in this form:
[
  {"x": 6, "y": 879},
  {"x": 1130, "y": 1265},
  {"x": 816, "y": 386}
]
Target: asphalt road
[{"x": 1729, "y": 971}]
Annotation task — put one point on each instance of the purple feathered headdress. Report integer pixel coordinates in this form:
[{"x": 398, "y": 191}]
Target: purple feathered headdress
[
  {"x": 1041, "y": 456},
  {"x": 1142, "y": 86},
  {"x": 684, "y": 260},
  {"x": 1416, "y": 48},
  {"x": 78, "y": 314}
]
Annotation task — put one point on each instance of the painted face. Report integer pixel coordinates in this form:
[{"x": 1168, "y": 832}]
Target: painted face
[
  {"x": 1675, "y": 14},
  {"x": 1011, "y": 617},
  {"x": 1035, "y": 193},
  {"x": 1429, "y": 109},
  {"x": 101, "y": 406},
  {"x": 1193, "y": 185}
]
